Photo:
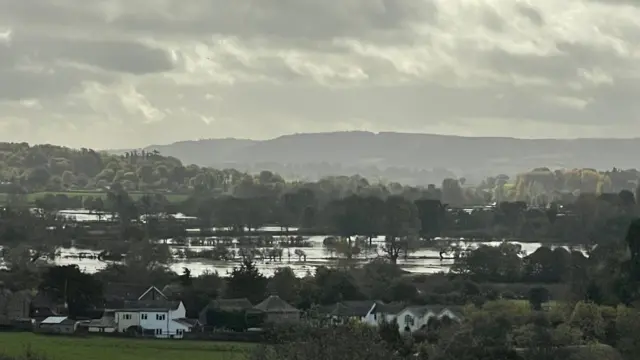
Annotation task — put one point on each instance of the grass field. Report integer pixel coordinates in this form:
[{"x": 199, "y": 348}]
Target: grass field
[
  {"x": 103, "y": 348},
  {"x": 31, "y": 198}
]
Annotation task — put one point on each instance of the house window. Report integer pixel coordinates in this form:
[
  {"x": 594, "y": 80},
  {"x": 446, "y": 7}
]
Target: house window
[
  {"x": 160, "y": 317},
  {"x": 126, "y": 316},
  {"x": 158, "y": 331},
  {"x": 179, "y": 332},
  {"x": 143, "y": 316},
  {"x": 408, "y": 320}
]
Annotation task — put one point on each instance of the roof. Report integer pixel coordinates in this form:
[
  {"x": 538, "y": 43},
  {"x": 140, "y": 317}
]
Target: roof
[
  {"x": 125, "y": 291},
  {"x": 54, "y": 320},
  {"x": 230, "y": 304},
  {"x": 390, "y": 308},
  {"x": 274, "y": 304},
  {"x": 149, "y": 306},
  {"x": 129, "y": 291},
  {"x": 421, "y": 311},
  {"x": 187, "y": 322},
  {"x": 349, "y": 308},
  {"x": 155, "y": 289},
  {"x": 104, "y": 322}
]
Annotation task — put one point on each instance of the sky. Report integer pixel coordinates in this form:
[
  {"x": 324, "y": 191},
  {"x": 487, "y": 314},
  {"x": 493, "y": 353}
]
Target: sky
[{"x": 120, "y": 74}]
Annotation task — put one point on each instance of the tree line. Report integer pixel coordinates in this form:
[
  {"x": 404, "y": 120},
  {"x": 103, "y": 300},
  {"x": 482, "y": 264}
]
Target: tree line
[{"x": 49, "y": 168}]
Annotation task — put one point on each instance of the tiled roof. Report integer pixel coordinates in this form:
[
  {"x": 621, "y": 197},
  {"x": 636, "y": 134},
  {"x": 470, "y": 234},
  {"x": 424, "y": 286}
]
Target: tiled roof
[
  {"x": 274, "y": 304},
  {"x": 187, "y": 322},
  {"x": 231, "y": 304},
  {"x": 150, "y": 306},
  {"x": 104, "y": 322},
  {"x": 390, "y": 308}
]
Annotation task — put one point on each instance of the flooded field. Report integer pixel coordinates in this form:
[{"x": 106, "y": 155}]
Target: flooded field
[{"x": 422, "y": 261}]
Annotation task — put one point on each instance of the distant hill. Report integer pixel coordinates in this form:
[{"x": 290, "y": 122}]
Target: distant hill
[{"x": 321, "y": 154}]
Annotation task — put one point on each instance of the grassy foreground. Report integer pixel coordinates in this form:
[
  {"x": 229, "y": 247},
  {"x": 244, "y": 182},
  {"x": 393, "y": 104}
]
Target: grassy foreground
[{"x": 103, "y": 348}]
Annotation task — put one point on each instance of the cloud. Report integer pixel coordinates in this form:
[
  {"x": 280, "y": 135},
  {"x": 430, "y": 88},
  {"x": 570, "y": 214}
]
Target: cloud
[{"x": 159, "y": 71}]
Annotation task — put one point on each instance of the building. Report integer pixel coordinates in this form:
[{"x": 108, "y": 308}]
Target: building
[
  {"x": 160, "y": 320},
  {"x": 414, "y": 318},
  {"x": 277, "y": 310},
  {"x": 386, "y": 312},
  {"x": 346, "y": 311},
  {"x": 151, "y": 314},
  {"x": 106, "y": 324},
  {"x": 57, "y": 325}
]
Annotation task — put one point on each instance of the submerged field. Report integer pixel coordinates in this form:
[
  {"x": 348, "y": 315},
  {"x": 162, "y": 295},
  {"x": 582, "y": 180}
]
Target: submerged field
[{"x": 102, "y": 348}]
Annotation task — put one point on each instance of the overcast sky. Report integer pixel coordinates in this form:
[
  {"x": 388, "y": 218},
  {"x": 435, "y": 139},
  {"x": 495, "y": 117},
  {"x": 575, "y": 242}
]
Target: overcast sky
[{"x": 116, "y": 73}]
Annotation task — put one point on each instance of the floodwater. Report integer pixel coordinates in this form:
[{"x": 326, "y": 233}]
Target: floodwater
[{"x": 423, "y": 261}]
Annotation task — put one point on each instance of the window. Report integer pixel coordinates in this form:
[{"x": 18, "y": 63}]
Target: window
[
  {"x": 179, "y": 331},
  {"x": 143, "y": 316},
  {"x": 408, "y": 320},
  {"x": 158, "y": 331},
  {"x": 126, "y": 316},
  {"x": 160, "y": 317}
]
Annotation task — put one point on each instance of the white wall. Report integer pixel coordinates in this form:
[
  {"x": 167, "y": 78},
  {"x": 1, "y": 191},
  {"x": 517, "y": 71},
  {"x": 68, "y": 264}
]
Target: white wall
[
  {"x": 161, "y": 322},
  {"x": 418, "y": 322},
  {"x": 123, "y": 324},
  {"x": 156, "y": 321},
  {"x": 101, "y": 330}
]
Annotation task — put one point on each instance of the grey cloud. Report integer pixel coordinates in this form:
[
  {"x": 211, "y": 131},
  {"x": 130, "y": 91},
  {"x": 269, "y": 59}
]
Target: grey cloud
[
  {"x": 155, "y": 67},
  {"x": 530, "y": 13},
  {"x": 310, "y": 19}
]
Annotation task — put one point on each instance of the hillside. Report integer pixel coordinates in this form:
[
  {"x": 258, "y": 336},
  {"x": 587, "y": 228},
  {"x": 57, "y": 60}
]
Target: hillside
[{"x": 312, "y": 155}]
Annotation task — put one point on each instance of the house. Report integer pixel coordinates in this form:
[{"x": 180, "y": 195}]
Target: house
[
  {"x": 387, "y": 312},
  {"x": 345, "y": 311},
  {"x": 150, "y": 313},
  {"x": 160, "y": 319},
  {"x": 229, "y": 305},
  {"x": 106, "y": 324},
  {"x": 277, "y": 310},
  {"x": 116, "y": 294},
  {"x": 57, "y": 325},
  {"x": 414, "y": 318}
]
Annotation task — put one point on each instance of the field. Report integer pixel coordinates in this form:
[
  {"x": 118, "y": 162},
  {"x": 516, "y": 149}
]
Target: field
[
  {"x": 103, "y": 348},
  {"x": 31, "y": 198}
]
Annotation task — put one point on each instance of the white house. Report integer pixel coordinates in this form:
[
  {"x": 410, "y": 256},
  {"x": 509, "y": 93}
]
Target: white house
[
  {"x": 161, "y": 320},
  {"x": 346, "y": 311},
  {"x": 152, "y": 314},
  {"x": 384, "y": 313},
  {"x": 414, "y": 318}
]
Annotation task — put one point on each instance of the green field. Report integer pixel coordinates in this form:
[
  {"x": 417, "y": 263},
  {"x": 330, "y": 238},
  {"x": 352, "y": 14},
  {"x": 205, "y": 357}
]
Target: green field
[
  {"x": 31, "y": 198},
  {"x": 103, "y": 348}
]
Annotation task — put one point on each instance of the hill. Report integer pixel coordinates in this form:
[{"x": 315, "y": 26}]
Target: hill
[{"x": 338, "y": 153}]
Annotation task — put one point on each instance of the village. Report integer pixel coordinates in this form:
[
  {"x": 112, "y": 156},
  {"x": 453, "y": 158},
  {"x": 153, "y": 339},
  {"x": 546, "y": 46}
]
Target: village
[{"x": 151, "y": 313}]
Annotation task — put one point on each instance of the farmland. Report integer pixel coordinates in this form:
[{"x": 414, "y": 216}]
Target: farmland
[{"x": 99, "y": 348}]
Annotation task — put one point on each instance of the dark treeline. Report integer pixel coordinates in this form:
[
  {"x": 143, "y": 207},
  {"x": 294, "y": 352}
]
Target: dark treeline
[{"x": 587, "y": 219}]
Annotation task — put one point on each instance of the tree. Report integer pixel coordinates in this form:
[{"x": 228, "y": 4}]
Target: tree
[
  {"x": 67, "y": 284},
  {"x": 246, "y": 281},
  {"x": 285, "y": 284},
  {"x": 400, "y": 226},
  {"x": 538, "y": 296}
]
